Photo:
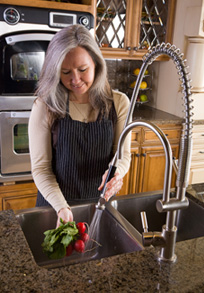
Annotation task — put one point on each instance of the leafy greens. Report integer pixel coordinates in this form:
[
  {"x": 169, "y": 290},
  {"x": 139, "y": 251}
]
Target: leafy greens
[{"x": 56, "y": 240}]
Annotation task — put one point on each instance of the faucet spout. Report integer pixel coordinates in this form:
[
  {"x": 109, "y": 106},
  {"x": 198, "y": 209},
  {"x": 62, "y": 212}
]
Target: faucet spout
[
  {"x": 166, "y": 146},
  {"x": 186, "y": 138},
  {"x": 167, "y": 238}
]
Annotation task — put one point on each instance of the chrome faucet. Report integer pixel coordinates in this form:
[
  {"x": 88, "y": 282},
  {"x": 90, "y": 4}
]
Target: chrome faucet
[{"x": 167, "y": 238}]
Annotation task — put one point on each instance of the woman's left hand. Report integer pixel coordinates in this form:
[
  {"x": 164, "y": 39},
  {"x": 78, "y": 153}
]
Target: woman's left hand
[{"x": 112, "y": 186}]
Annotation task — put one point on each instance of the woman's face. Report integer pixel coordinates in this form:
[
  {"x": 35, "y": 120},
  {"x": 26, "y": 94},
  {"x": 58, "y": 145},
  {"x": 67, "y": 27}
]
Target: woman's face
[{"x": 77, "y": 73}]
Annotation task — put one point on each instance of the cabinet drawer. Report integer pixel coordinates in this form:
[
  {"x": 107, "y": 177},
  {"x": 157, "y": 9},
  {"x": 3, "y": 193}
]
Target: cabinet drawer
[
  {"x": 198, "y": 153},
  {"x": 198, "y": 134},
  {"x": 19, "y": 202},
  {"x": 170, "y": 133},
  {"x": 196, "y": 175}
]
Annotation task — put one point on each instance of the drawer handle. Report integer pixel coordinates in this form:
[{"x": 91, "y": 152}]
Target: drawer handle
[
  {"x": 201, "y": 152},
  {"x": 202, "y": 134}
]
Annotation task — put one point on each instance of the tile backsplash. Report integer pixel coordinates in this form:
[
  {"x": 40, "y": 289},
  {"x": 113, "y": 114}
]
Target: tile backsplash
[{"x": 120, "y": 76}]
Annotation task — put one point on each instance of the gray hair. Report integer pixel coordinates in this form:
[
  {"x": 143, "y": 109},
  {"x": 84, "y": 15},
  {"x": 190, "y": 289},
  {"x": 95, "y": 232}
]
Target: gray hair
[{"x": 51, "y": 90}]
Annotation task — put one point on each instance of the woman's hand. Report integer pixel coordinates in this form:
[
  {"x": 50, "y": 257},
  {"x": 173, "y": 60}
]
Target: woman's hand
[
  {"x": 66, "y": 215},
  {"x": 112, "y": 186}
]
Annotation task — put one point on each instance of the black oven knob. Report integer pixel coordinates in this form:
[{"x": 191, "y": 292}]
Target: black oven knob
[
  {"x": 84, "y": 20},
  {"x": 11, "y": 16}
]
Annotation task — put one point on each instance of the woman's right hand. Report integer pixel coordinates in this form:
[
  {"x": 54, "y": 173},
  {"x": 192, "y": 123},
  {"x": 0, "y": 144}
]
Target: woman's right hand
[{"x": 66, "y": 215}]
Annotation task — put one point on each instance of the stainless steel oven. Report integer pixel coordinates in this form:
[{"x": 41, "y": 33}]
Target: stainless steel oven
[{"x": 25, "y": 33}]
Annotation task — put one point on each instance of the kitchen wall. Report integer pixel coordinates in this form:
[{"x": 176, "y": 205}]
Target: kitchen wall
[{"x": 168, "y": 92}]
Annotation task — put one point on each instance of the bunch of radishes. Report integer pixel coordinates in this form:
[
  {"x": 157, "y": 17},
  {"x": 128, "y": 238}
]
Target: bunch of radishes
[{"x": 82, "y": 237}]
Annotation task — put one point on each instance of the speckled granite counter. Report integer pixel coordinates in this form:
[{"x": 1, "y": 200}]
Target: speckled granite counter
[
  {"x": 157, "y": 116},
  {"x": 197, "y": 190},
  {"x": 132, "y": 272}
]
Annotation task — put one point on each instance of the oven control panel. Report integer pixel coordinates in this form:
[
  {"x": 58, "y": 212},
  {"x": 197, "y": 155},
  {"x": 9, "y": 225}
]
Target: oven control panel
[{"x": 12, "y": 15}]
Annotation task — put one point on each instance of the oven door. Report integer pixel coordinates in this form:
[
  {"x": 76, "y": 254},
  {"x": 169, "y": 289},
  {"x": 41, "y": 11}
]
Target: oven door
[
  {"x": 14, "y": 146},
  {"x": 21, "y": 59}
]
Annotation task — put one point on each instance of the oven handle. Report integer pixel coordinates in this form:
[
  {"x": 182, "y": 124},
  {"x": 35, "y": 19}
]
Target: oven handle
[
  {"x": 28, "y": 37},
  {"x": 20, "y": 114}
]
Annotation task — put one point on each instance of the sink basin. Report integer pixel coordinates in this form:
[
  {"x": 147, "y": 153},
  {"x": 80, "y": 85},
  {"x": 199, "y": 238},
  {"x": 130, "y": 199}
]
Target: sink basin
[
  {"x": 112, "y": 236},
  {"x": 190, "y": 221}
]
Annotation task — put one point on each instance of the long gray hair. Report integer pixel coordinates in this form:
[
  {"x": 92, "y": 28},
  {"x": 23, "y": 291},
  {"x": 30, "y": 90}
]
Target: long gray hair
[{"x": 51, "y": 90}]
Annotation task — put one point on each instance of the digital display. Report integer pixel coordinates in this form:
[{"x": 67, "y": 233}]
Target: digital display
[
  {"x": 66, "y": 19},
  {"x": 62, "y": 19}
]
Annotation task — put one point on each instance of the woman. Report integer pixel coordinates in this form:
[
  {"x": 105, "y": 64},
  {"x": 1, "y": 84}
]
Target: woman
[{"x": 75, "y": 124}]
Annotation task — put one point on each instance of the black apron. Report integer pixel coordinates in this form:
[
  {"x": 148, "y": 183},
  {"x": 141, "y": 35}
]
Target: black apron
[{"x": 81, "y": 156}]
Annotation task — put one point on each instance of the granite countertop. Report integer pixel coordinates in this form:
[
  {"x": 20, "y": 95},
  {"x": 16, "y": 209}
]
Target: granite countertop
[
  {"x": 132, "y": 272},
  {"x": 157, "y": 116}
]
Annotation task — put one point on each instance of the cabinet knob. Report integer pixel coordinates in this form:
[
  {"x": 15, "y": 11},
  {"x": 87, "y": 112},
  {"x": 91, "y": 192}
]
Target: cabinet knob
[
  {"x": 137, "y": 155},
  {"x": 135, "y": 48},
  {"x": 166, "y": 134},
  {"x": 144, "y": 155},
  {"x": 128, "y": 48},
  {"x": 201, "y": 152}
]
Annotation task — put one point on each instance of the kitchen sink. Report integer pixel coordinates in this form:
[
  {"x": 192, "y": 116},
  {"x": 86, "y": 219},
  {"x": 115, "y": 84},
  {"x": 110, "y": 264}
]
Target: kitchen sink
[
  {"x": 189, "y": 221},
  {"x": 112, "y": 236}
]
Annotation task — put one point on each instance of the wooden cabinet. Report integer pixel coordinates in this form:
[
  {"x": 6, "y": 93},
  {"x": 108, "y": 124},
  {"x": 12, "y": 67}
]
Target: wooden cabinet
[
  {"x": 83, "y": 6},
  {"x": 18, "y": 196},
  {"x": 197, "y": 162},
  {"x": 125, "y": 29},
  {"x": 147, "y": 168}
]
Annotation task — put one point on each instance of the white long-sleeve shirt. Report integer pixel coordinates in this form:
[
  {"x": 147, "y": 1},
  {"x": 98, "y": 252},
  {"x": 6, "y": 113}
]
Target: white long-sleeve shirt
[{"x": 40, "y": 144}]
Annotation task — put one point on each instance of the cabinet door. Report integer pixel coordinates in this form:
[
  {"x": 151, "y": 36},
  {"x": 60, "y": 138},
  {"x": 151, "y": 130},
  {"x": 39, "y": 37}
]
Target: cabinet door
[
  {"x": 131, "y": 178},
  {"x": 125, "y": 29},
  {"x": 113, "y": 31},
  {"x": 152, "y": 168}
]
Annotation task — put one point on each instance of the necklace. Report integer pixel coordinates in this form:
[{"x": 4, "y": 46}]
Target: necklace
[{"x": 82, "y": 114}]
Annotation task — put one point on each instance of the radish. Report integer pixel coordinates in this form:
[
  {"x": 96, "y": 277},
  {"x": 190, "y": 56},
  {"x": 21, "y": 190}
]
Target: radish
[
  {"x": 81, "y": 227},
  {"x": 84, "y": 237},
  {"x": 69, "y": 249},
  {"x": 79, "y": 246}
]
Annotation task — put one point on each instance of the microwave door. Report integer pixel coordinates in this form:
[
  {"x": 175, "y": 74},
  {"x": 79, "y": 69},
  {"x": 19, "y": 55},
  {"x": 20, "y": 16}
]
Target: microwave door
[{"x": 14, "y": 144}]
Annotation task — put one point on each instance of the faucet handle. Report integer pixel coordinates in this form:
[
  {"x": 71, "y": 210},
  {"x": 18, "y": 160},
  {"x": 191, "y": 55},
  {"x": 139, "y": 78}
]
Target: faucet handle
[{"x": 144, "y": 221}]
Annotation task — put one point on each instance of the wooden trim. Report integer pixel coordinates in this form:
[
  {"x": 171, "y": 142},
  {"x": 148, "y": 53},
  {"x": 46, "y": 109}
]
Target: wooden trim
[
  {"x": 136, "y": 17},
  {"x": 128, "y": 21},
  {"x": 115, "y": 53},
  {"x": 54, "y": 5},
  {"x": 171, "y": 21}
]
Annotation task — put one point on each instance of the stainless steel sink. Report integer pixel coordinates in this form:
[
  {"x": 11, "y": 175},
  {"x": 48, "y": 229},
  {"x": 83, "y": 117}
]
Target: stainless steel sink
[
  {"x": 113, "y": 237},
  {"x": 190, "y": 221}
]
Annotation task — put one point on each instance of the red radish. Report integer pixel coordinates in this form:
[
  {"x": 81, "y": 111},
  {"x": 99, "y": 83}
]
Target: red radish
[
  {"x": 69, "y": 250},
  {"x": 84, "y": 237},
  {"x": 79, "y": 246},
  {"x": 81, "y": 227}
]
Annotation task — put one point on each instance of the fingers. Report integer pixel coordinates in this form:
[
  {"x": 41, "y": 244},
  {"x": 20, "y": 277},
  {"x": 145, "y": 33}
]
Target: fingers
[
  {"x": 113, "y": 186},
  {"x": 66, "y": 215},
  {"x": 103, "y": 180}
]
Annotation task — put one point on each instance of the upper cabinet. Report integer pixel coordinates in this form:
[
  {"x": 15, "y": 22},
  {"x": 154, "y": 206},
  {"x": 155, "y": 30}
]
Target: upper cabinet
[
  {"x": 75, "y": 5},
  {"x": 126, "y": 29}
]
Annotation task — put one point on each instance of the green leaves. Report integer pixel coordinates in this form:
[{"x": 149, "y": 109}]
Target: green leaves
[{"x": 56, "y": 240}]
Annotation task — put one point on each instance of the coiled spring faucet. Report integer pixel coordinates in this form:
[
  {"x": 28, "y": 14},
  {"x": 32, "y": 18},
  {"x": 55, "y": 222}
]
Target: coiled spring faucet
[{"x": 167, "y": 238}]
